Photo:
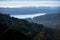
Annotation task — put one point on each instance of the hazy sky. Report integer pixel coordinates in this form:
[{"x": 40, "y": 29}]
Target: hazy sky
[
  {"x": 12, "y": 4},
  {"x": 29, "y": 0},
  {"x": 27, "y": 3}
]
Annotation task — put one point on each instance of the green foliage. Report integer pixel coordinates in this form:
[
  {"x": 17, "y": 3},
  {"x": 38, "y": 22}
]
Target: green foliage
[
  {"x": 12, "y": 34},
  {"x": 40, "y": 36}
]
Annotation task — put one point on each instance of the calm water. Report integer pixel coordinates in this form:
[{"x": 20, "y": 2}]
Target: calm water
[{"x": 28, "y": 15}]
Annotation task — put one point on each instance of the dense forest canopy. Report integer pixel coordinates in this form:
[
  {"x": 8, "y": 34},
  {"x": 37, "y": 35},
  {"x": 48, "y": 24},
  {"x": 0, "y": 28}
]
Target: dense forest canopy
[{"x": 19, "y": 29}]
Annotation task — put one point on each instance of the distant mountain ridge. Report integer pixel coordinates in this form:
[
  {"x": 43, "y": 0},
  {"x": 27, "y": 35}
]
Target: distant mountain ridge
[
  {"x": 47, "y": 19},
  {"x": 29, "y": 10}
]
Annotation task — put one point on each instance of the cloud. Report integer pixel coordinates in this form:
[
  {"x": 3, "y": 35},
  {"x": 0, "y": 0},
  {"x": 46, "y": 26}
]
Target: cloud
[{"x": 13, "y": 4}]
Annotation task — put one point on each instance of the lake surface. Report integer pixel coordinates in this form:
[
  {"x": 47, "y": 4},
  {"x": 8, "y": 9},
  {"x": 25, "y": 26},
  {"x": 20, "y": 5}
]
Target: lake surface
[{"x": 28, "y": 15}]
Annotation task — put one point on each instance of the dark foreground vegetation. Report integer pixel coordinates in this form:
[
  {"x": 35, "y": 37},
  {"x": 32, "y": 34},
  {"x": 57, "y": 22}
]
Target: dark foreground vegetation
[{"x": 19, "y": 29}]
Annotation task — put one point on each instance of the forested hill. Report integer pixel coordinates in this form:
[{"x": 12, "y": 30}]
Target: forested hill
[
  {"x": 16, "y": 23},
  {"x": 49, "y": 20},
  {"x": 19, "y": 29}
]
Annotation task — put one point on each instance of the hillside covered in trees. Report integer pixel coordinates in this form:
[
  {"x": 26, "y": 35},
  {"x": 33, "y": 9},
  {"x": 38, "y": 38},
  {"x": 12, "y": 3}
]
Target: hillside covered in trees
[
  {"x": 49, "y": 20},
  {"x": 19, "y": 29}
]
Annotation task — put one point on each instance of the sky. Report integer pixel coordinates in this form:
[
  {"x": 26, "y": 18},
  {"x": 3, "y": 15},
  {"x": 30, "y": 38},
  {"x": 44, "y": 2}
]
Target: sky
[
  {"x": 29, "y": 0},
  {"x": 12, "y": 4},
  {"x": 27, "y": 3}
]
